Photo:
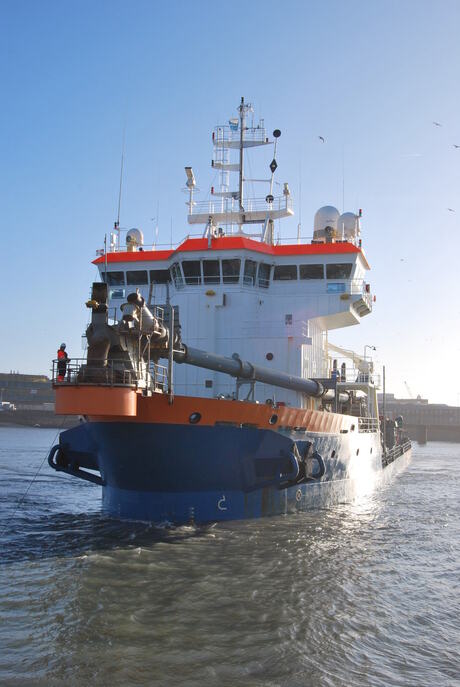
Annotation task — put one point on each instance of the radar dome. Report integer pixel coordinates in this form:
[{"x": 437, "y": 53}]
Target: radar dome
[
  {"x": 134, "y": 238},
  {"x": 348, "y": 225},
  {"x": 325, "y": 223}
]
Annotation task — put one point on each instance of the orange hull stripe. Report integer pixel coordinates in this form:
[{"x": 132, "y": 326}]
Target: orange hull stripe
[
  {"x": 87, "y": 400},
  {"x": 156, "y": 409}
]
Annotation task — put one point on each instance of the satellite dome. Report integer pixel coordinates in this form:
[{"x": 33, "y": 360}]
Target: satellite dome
[
  {"x": 325, "y": 223},
  {"x": 134, "y": 238},
  {"x": 348, "y": 225}
]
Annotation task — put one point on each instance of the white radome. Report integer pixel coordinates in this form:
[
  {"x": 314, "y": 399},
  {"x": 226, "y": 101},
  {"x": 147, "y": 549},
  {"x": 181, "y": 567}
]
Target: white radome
[
  {"x": 326, "y": 216},
  {"x": 134, "y": 237},
  {"x": 348, "y": 225}
]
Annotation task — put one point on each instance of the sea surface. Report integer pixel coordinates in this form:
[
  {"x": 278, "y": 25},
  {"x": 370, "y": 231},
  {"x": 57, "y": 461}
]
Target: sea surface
[{"x": 360, "y": 594}]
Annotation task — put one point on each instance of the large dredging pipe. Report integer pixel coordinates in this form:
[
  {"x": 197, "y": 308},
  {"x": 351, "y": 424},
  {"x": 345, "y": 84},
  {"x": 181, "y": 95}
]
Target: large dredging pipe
[
  {"x": 242, "y": 369},
  {"x": 136, "y": 312}
]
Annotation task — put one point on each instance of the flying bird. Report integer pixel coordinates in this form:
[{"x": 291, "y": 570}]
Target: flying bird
[
  {"x": 437, "y": 124},
  {"x": 456, "y": 146},
  {"x": 321, "y": 138},
  {"x": 450, "y": 210}
]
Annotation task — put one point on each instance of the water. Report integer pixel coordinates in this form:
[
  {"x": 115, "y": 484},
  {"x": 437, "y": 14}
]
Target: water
[{"x": 362, "y": 594}]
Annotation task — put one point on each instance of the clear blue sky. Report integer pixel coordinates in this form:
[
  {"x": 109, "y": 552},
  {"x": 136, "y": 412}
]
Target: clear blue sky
[{"x": 369, "y": 76}]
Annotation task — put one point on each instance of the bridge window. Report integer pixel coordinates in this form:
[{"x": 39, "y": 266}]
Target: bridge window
[
  {"x": 136, "y": 277},
  {"x": 192, "y": 271},
  {"x": 263, "y": 277},
  {"x": 211, "y": 272},
  {"x": 116, "y": 278},
  {"x": 176, "y": 275},
  {"x": 159, "y": 276},
  {"x": 339, "y": 271},
  {"x": 231, "y": 271},
  {"x": 311, "y": 271},
  {"x": 250, "y": 269},
  {"x": 285, "y": 272}
]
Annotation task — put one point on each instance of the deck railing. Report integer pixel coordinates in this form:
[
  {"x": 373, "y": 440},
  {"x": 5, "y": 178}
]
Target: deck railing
[
  {"x": 393, "y": 453},
  {"x": 80, "y": 371},
  {"x": 368, "y": 424},
  {"x": 280, "y": 241}
]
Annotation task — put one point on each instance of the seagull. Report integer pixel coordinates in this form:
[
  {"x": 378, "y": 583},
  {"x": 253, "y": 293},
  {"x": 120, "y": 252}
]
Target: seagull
[
  {"x": 437, "y": 124},
  {"x": 456, "y": 146},
  {"x": 450, "y": 210},
  {"x": 321, "y": 138}
]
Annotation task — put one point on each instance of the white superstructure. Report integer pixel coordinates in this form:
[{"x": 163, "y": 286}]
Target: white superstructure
[{"x": 246, "y": 292}]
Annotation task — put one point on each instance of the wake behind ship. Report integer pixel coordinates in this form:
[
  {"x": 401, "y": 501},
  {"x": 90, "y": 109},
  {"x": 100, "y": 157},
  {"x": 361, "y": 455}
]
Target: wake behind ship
[{"x": 210, "y": 390}]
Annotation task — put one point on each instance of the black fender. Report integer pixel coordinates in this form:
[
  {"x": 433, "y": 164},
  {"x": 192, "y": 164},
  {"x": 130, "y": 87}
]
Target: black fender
[
  {"x": 56, "y": 458},
  {"x": 315, "y": 456},
  {"x": 59, "y": 462}
]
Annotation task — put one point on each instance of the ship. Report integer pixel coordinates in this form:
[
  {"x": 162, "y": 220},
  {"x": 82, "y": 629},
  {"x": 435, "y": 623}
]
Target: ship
[{"x": 210, "y": 390}]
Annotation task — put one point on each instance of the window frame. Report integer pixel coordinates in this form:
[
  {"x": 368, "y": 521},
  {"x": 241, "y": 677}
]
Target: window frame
[
  {"x": 192, "y": 279},
  {"x": 311, "y": 264},
  {"x": 109, "y": 282},
  {"x": 214, "y": 278},
  {"x": 165, "y": 270},
  {"x": 264, "y": 282},
  {"x": 177, "y": 277},
  {"x": 231, "y": 278},
  {"x": 339, "y": 264},
  {"x": 137, "y": 283},
  {"x": 283, "y": 266},
  {"x": 250, "y": 279}
]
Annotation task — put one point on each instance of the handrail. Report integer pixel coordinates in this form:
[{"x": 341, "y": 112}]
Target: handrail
[
  {"x": 103, "y": 372},
  {"x": 368, "y": 424},
  {"x": 293, "y": 240},
  {"x": 214, "y": 205},
  {"x": 396, "y": 452}
]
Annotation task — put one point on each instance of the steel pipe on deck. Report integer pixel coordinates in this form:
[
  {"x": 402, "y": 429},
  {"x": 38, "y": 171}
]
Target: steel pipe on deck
[{"x": 243, "y": 369}]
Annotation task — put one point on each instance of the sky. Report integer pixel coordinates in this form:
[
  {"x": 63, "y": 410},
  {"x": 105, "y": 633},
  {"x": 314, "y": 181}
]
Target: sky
[{"x": 371, "y": 77}]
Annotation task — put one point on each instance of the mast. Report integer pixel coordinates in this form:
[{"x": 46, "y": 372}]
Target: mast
[
  {"x": 240, "y": 188},
  {"x": 227, "y": 207}
]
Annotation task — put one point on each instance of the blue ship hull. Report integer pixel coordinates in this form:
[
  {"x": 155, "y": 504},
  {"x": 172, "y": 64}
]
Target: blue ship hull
[{"x": 184, "y": 473}]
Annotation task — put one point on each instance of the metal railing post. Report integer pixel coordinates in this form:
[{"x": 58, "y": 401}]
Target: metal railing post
[{"x": 171, "y": 355}]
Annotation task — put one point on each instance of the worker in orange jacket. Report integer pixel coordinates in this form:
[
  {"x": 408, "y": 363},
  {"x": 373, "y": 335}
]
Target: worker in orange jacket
[{"x": 62, "y": 359}]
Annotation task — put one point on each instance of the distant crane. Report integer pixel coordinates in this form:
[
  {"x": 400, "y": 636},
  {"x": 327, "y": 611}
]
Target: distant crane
[{"x": 411, "y": 395}]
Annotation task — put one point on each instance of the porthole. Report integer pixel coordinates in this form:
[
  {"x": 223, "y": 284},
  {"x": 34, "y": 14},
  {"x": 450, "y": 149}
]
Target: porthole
[
  {"x": 194, "y": 418},
  {"x": 273, "y": 419},
  {"x": 269, "y": 356},
  {"x": 333, "y": 454}
]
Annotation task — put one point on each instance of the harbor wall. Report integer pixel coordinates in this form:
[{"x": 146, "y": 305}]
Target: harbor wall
[{"x": 36, "y": 418}]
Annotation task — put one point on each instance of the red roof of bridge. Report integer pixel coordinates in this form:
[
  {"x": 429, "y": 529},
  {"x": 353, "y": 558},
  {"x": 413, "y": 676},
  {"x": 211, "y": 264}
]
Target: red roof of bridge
[{"x": 230, "y": 243}]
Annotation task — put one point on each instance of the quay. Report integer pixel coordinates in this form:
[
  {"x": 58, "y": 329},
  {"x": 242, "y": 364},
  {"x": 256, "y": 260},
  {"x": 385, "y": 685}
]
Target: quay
[{"x": 424, "y": 421}]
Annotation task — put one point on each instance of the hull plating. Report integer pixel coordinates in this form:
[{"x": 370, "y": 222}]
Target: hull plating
[{"x": 180, "y": 473}]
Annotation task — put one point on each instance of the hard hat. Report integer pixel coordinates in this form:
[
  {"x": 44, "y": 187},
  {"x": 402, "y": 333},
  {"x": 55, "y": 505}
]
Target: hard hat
[{"x": 62, "y": 346}]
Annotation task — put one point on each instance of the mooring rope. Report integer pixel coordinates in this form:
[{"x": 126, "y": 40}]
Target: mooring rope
[{"x": 22, "y": 498}]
